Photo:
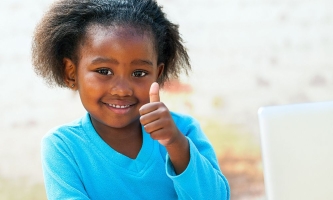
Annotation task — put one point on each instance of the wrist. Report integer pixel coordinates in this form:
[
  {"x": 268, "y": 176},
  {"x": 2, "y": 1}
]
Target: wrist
[
  {"x": 178, "y": 140},
  {"x": 179, "y": 153}
]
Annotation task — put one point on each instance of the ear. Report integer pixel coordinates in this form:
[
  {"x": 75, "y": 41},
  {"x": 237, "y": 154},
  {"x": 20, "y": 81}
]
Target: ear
[
  {"x": 160, "y": 69},
  {"x": 70, "y": 73}
]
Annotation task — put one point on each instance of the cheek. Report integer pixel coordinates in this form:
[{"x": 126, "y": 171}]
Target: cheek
[
  {"x": 88, "y": 85},
  {"x": 142, "y": 91},
  {"x": 87, "y": 79}
]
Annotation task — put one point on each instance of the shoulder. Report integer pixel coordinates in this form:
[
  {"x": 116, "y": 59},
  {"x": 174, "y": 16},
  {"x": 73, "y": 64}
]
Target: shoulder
[
  {"x": 182, "y": 118},
  {"x": 65, "y": 132},
  {"x": 185, "y": 123}
]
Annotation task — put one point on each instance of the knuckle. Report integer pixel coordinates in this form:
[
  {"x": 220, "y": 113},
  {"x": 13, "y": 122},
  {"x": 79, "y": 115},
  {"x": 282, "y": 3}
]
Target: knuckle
[
  {"x": 147, "y": 128},
  {"x": 154, "y": 136},
  {"x": 143, "y": 120},
  {"x": 142, "y": 110}
]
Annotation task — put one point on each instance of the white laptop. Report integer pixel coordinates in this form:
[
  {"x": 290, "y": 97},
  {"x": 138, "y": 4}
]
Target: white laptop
[{"x": 297, "y": 151}]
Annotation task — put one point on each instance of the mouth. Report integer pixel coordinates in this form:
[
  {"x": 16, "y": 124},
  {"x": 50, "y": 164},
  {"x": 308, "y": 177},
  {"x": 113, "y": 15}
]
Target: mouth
[
  {"x": 119, "y": 106},
  {"x": 120, "y": 109}
]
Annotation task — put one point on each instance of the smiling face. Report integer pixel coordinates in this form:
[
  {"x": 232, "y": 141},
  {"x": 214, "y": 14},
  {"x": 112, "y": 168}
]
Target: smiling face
[{"x": 114, "y": 72}]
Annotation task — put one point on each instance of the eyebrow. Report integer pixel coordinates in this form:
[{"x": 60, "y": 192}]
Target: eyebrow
[
  {"x": 141, "y": 62},
  {"x": 114, "y": 61},
  {"x": 104, "y": 60}
]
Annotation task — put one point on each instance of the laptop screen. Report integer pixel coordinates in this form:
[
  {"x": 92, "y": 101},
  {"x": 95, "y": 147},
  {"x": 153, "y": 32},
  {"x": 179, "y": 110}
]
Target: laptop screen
[{"x": 297, "y": 150}]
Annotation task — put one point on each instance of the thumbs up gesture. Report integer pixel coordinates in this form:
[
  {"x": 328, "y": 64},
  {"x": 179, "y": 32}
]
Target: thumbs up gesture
[{"x": 157, "y": 120}]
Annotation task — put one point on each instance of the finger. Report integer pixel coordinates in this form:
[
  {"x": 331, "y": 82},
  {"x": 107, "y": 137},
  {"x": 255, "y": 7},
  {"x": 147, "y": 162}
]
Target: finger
[
  {"x": 146, "y": 119},
  {"x": 153, "y": 127},
  {"x": 154, "y": 93}
]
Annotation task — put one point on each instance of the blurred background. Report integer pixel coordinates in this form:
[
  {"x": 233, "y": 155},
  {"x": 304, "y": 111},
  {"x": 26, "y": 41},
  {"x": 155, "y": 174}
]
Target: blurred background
[{"x": 244, "y": 54}]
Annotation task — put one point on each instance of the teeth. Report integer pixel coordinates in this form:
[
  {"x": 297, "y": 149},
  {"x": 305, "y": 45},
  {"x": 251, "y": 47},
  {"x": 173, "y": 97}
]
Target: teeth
[{"x": 118, "y": 106}]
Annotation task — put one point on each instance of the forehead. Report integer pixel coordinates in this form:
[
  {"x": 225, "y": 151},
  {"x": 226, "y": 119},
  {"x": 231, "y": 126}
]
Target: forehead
[
  {"x": 126, "y": 39},
  {"x": 128, "y": 32}
]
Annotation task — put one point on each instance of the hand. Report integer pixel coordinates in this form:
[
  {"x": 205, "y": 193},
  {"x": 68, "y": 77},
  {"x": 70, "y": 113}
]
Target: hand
[{"x": 157, "y": 120}]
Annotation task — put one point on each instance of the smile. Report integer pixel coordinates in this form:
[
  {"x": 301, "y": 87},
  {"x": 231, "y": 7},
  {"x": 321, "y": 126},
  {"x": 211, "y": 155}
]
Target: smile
[{"x": 118, "y": 106}]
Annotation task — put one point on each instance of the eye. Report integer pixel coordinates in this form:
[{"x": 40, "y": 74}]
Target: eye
[
  {"x": 139, "y": 73},
  {"x": 104, "y": 71}
]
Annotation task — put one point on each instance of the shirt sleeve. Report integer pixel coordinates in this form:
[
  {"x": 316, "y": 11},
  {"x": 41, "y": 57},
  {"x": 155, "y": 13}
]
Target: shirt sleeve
[
  {"x": 61, "y": 176},
  {"x": 202, "y": 179}
]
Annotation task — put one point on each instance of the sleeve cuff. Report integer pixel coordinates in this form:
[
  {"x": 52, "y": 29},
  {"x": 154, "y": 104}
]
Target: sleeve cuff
[{"x": 190, "y": 169}]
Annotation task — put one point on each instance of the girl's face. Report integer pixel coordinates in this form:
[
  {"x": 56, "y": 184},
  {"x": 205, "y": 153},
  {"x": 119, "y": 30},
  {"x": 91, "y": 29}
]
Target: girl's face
[{"x": 115, "y": 70}]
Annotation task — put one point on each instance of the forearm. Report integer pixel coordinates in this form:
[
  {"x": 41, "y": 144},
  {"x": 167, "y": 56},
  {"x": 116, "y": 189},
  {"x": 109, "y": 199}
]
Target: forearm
[
  {"x": 179, "y": 153},
  {"x": 200, "y": 180}
]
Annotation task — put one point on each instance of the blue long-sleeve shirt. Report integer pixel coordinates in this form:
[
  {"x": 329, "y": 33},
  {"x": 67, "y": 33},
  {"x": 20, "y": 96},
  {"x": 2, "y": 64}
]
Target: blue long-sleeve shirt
[{"x": 78, "y": 164}]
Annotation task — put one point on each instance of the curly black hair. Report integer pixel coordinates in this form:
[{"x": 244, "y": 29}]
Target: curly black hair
[{"x": 64, "y": 26}]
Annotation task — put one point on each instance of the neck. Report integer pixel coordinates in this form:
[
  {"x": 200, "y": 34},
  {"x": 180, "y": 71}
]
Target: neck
[{"x": 126, "y": 140}]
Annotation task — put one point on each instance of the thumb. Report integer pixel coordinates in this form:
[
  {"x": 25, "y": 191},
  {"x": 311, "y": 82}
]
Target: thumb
[{"x": 154, "y": 93}]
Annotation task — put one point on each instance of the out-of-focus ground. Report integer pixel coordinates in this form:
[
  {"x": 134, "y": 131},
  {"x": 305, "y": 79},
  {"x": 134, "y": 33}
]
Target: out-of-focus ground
[{"x": 245, "y": 54}]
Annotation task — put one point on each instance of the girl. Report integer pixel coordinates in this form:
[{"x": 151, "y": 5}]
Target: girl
[{"x": 115, "y": 53}]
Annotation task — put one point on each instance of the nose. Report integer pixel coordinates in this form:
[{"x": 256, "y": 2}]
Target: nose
[{"x": 121, "y": 87}]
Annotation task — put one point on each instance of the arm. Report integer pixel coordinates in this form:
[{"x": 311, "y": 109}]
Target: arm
[
  {"x": 202, "y": 178},
  {"x": 157, "y": 121},
  {"x": 61, "y": 175},
  {"x": 191, "y": 161}
]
